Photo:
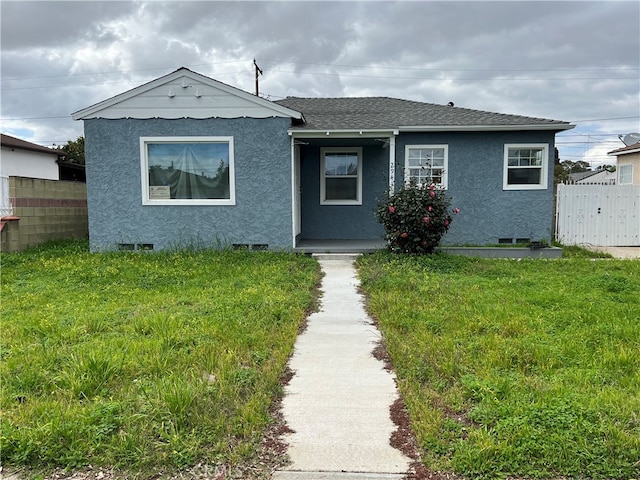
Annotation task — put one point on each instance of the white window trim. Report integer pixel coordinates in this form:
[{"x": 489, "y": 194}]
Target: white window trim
[
  {"x": 358, "y": 152},
  {"x": 630, "y": 165},
  {"x": 544, "y": 174},
  {"x": 445, "y": 168},
  {"x": 144, "y": 165}
]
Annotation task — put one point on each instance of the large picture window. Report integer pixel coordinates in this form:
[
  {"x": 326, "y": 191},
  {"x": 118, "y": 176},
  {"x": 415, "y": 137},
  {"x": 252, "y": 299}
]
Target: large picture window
[
  {"x": 187, "y": 170},
  {"x": 525, "y": 166},
  {"x": 426, "y": 164},
  {"x": 341, "y": 176}
]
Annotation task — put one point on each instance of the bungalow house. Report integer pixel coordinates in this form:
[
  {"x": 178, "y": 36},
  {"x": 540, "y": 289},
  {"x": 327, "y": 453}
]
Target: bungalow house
[
  {"x": 187, "y": 159},
  {"x": 628, "y": 164}
]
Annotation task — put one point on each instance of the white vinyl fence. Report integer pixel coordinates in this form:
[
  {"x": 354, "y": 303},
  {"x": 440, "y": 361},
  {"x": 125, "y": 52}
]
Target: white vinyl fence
[{"x": 600, "y": 215}]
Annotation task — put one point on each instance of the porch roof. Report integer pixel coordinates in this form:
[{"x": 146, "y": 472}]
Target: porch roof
[{"x": 385, "y": 113}]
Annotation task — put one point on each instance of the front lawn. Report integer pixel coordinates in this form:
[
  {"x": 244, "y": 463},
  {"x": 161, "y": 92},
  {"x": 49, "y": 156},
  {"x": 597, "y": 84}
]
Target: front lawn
[
  {"x": 144, "y": 361},
  {"x": 528, "y": 369}
]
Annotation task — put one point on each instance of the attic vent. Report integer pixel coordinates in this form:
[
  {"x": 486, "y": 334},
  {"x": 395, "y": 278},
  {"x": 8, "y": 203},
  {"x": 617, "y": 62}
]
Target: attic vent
[{"x": 172, "y": 93}]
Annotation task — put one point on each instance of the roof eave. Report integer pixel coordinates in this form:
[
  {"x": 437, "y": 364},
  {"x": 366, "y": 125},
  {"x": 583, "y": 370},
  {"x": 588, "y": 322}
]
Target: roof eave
[
  {"x": 624, "y": 152},
  {"x": 484, "y": 128},
  {"x": 341, "y": 133}
]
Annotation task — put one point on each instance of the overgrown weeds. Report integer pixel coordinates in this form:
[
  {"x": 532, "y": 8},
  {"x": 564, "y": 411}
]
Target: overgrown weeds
[
  {"x": 525, "y": 369},
  {"x": 144, "y": 361}
]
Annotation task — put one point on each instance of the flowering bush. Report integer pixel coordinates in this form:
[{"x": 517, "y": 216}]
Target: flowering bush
[{"x": 415, "y": 218}]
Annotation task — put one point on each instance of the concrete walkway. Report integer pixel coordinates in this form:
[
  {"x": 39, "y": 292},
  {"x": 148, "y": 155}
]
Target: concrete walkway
[{"x": 338, "y": 401}]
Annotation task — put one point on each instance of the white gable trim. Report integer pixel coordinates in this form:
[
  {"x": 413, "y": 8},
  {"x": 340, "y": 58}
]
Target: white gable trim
[{"x": 257, "y": 107}]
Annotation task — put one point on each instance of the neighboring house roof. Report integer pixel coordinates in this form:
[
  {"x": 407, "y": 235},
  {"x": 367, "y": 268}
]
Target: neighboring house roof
[
  {"x": 185, "y": 93},
  {"x": 372, "y": 113},
  {"x": 592, "y": 176},
  {"x": 635, "y": 148},
  {"x": 13, "y": 142},
  {"x": 577, "y": 176}
]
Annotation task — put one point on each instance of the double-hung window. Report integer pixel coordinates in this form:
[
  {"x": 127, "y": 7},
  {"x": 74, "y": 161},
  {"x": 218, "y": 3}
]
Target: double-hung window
[
  {"x": 187, "y": 170},
  {"x": 426, "y": 164},
  {"x": 341, "y": 176},
  {"x": 625, "y": 174},
  {"x": 525, "y": 166}
]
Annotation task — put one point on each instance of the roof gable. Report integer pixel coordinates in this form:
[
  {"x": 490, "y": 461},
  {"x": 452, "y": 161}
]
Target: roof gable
[
  {"x": 370, "y": 113},
  {"x": 185, "y": 94}
]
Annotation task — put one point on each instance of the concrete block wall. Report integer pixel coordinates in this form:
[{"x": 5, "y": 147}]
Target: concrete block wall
[{"x": 47, "y": 210}]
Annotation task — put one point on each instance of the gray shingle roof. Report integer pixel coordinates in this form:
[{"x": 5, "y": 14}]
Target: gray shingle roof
[
  {"x": 627, "y": 149},
  {"x": 353, "y": 113}
]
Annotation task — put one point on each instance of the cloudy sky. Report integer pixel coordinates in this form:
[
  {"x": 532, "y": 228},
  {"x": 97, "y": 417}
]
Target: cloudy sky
[{"x": 574, "y": 61}]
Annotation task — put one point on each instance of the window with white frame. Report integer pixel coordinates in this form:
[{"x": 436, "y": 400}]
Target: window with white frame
[
  {"x": 187, "y": 170},
  {"x": 426, "y": 164},
  {"x": 525, "y": 166},
  {"x": 625, "y": 174},
  {"x": 341, "y": 176}
]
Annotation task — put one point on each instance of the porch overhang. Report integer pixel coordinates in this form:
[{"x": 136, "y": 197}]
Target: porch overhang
[{"x": 360, "y": 133}]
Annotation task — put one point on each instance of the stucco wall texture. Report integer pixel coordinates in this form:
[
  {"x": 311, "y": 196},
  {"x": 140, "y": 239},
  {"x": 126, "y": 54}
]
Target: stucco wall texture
[
  {"x": 262, "y": 162},
  {"x": 356, "y": 222},
  {"x": 263, "y": 210},
  {"x": 475, "y": 185}
]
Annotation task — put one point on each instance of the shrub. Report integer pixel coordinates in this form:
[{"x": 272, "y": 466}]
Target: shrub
[{"x": 415, "y": 218}]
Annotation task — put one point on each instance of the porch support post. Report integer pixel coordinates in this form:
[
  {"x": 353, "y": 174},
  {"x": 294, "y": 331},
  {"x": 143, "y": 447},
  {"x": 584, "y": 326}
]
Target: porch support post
[
  {"x": 293, "y": 191},
  {"x": 392, "y": 162}
]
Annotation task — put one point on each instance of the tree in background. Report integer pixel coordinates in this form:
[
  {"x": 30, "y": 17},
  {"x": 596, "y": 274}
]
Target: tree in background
[
  {"x": 74, "y": 150},
  {"x": 562, "y": 169}
]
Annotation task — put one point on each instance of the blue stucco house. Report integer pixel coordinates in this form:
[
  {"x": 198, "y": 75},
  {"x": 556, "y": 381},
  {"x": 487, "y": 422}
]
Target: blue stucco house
[{"x": 185, "y": 159}]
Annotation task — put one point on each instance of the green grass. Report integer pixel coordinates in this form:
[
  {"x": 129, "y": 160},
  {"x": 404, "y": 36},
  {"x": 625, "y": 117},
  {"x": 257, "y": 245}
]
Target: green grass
[
  {"x": 529, "y": 369},
  {"x": 144, "y": 361}
]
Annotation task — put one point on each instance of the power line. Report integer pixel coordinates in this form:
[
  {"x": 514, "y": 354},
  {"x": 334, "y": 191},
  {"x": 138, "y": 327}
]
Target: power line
[
  {"x": 35, "y": 118},
  {"x": 119, "y": 71},
  {"x": 94, "y": 84},
  {"x": 372, "y": 67},
  {"x": 604, "y": 119}
]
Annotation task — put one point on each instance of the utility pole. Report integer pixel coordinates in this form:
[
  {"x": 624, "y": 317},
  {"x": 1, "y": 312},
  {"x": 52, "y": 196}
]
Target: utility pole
[{"x": 258, "y": 73}]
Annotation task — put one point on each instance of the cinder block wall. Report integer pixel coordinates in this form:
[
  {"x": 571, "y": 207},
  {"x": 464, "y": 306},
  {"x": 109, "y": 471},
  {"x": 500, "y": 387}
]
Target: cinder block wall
[{"x": 48, "y": 210}]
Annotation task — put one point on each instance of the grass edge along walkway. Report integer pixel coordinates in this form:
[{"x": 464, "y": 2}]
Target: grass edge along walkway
[{"x": 528, "y": 369}]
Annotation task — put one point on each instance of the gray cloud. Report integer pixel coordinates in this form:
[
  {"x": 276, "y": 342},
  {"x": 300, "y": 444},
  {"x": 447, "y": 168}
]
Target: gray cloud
[{"x": 564, "y": 60}]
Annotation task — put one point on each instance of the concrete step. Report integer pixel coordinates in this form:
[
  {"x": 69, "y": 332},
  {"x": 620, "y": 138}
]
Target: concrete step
[
  {"x": 336, "y": 256},
  {"x": 291, "y": 475}
]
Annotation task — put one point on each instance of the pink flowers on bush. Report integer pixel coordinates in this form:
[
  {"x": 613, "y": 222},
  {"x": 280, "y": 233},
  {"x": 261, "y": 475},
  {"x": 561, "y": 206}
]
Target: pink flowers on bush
[{"x": 415, "y": 218}]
